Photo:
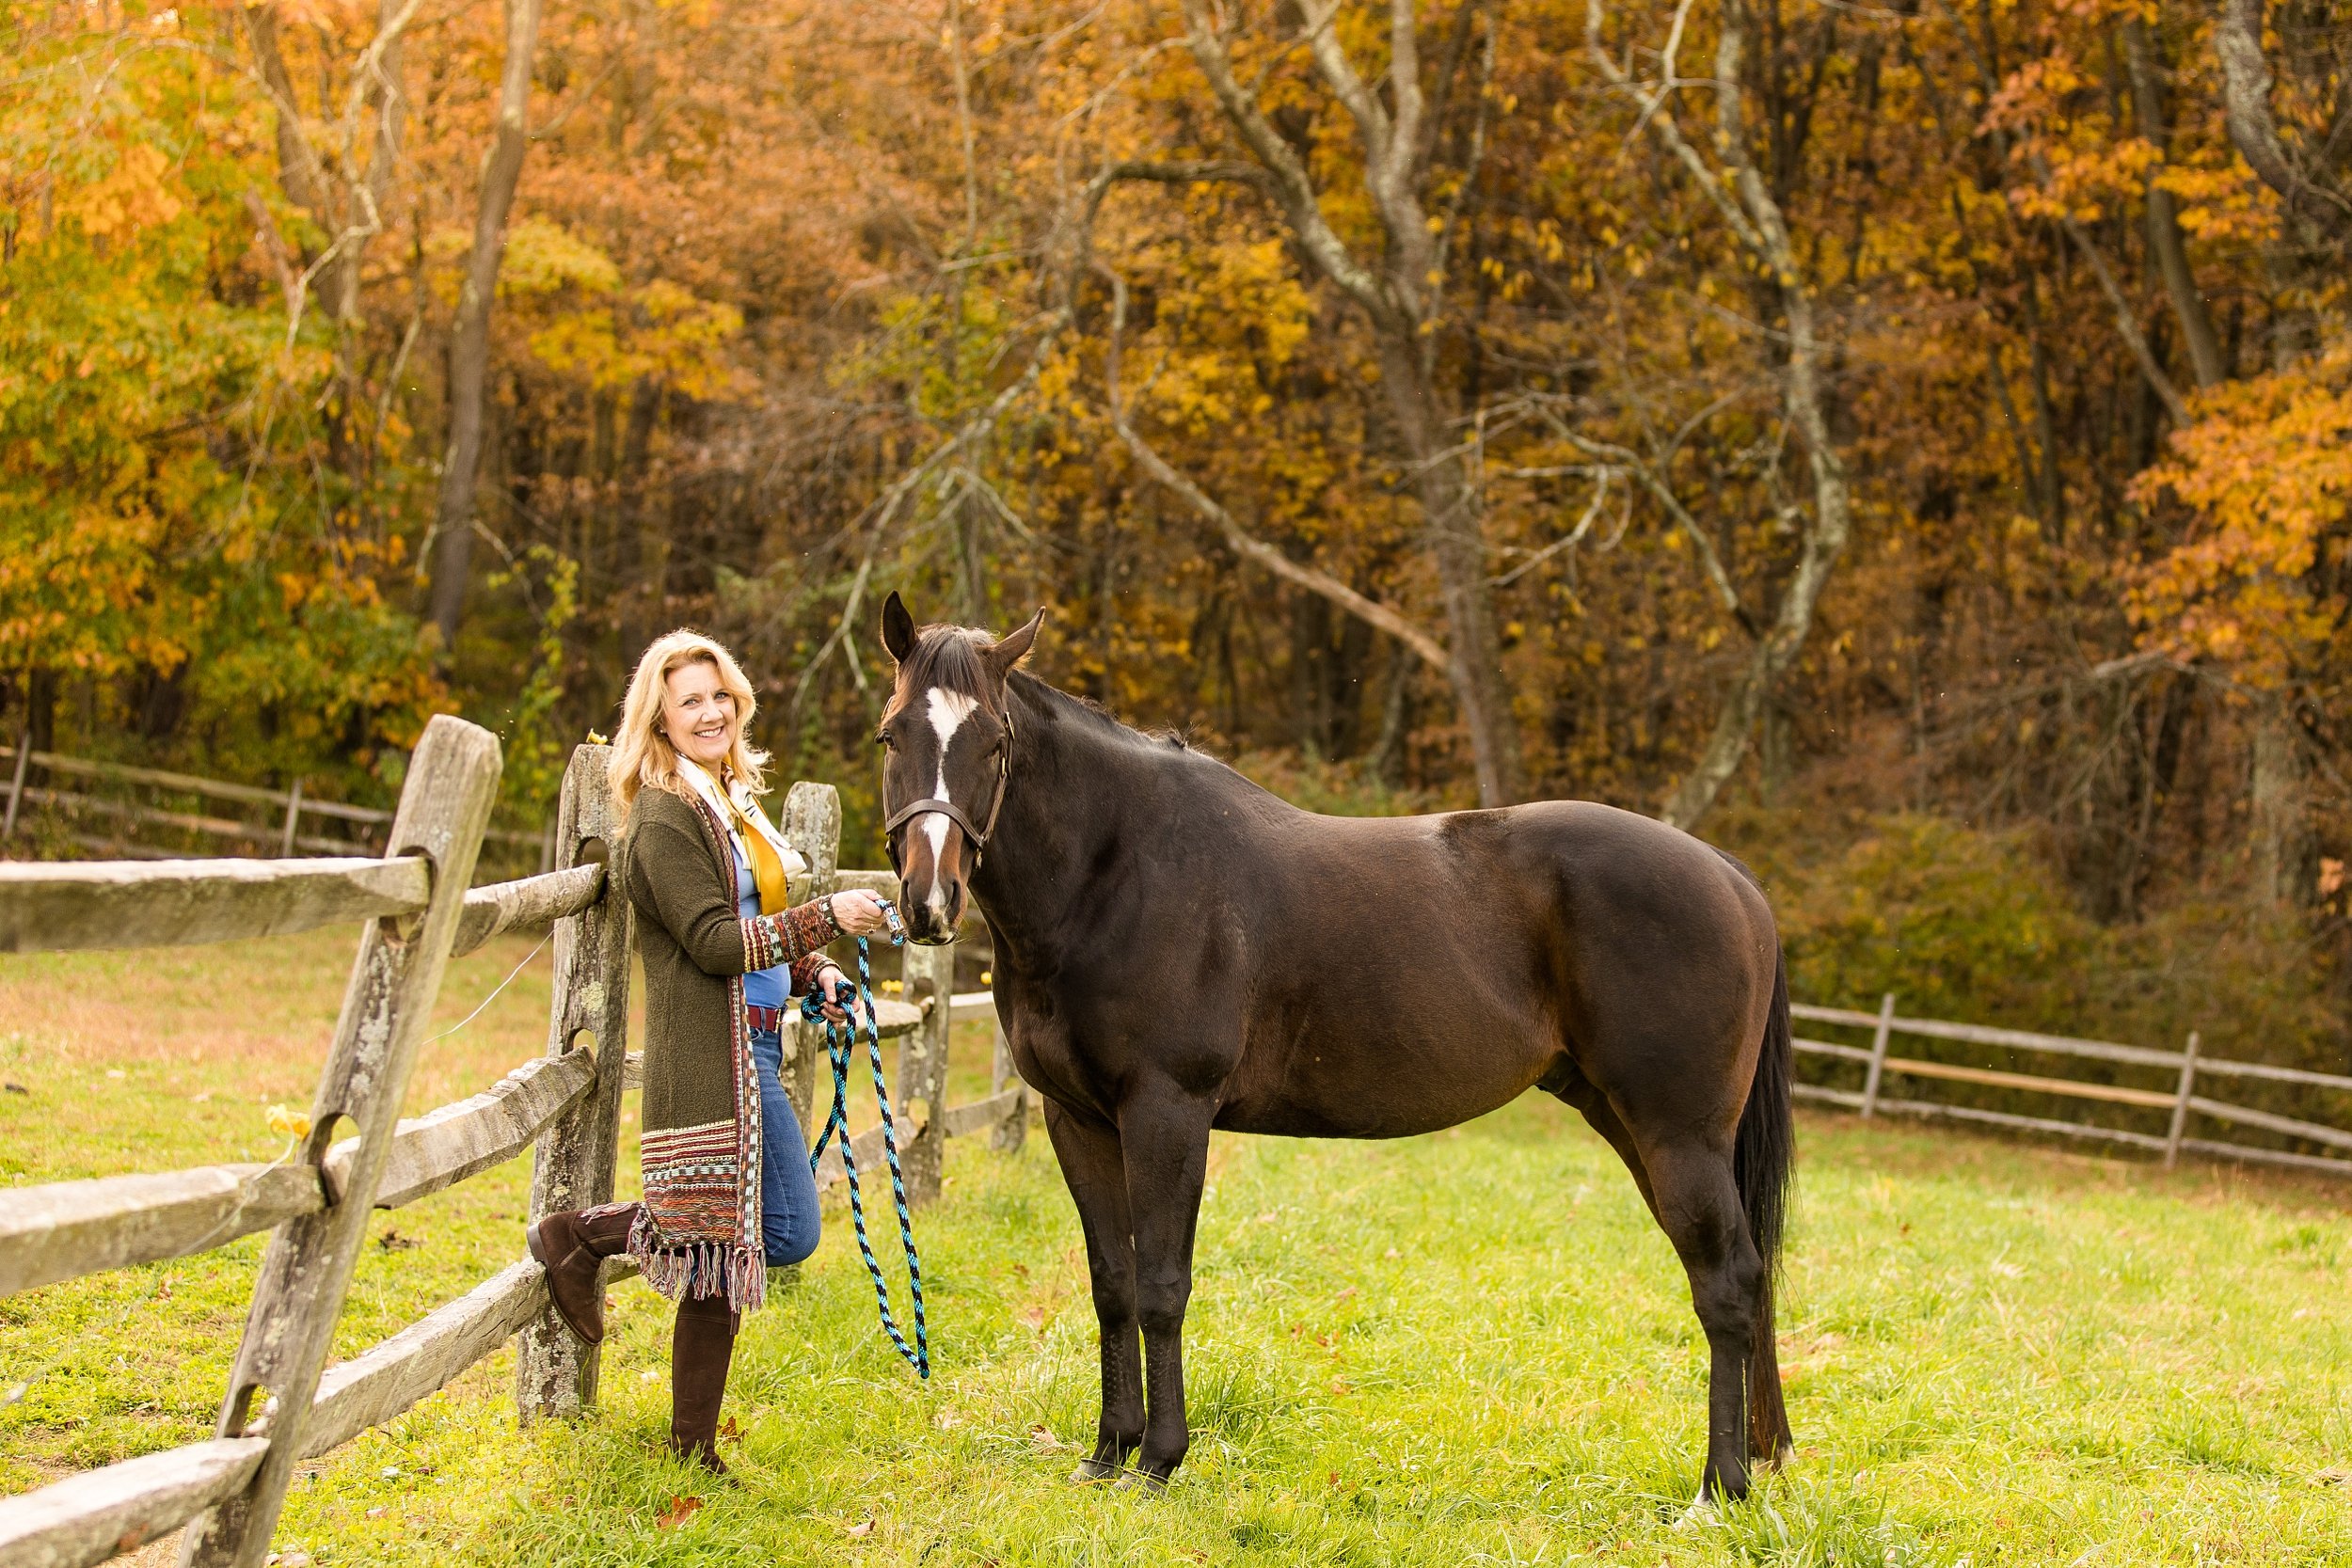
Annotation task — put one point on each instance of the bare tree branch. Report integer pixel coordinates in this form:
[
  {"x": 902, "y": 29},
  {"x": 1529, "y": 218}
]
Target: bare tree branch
[
  {"x": 1238, "y": 538},
  {"x": 1291, "y": 187},
  {"x": 1753, "y": 214},
  {"x": 2237, "y": 38}
]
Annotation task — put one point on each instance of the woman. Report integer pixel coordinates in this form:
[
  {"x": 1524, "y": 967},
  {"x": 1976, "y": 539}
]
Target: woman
[{"x": 728, "y": 1192}]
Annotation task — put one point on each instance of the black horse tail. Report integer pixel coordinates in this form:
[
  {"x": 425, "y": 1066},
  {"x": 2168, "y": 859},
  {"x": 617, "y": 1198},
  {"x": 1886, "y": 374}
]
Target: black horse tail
[{"x": 1763, "y": 1162}]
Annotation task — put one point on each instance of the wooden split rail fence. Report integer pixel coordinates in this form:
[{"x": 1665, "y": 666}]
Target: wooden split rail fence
[
  {"x": 284, "y": 1403},
  {"x": 286, "y": 834},
  {"x": 2177, "y": 1104}
]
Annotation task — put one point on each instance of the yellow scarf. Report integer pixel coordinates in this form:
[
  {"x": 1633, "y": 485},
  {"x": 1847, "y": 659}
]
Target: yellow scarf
[
  {"x": 767, "y": 866},
  {"x": 770, "y": 874}
]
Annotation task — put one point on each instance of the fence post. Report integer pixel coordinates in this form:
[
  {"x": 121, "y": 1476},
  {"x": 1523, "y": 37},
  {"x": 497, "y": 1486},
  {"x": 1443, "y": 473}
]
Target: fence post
[
  {"x": 299, "y": 1295},
  {"x": 2180, "y": 1102},
  {"x": 811, "y": 825},
  {"x": 16, "y": 785},
  {"x": 1878, "y": 1056},
  {"x": 930, "y": 972},
  {"x": 555, "y": 1375},
  {"x": 1007, "y": 1134},
  {"x": 293, "y": 810}
]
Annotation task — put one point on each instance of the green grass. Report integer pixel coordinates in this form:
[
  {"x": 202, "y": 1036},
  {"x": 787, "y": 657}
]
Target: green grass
[{"x": 1471, "y": 1348}]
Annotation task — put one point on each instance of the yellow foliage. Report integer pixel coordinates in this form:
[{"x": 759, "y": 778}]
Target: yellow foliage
[{"x": 2267, "y": 467}]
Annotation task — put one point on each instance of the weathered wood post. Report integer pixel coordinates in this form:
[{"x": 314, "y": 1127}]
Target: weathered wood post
[
  {"x": 811, "y": 825},
  {"x": 1007, "y": 1134},
  {"x": 299, "y": 1295},
  {"x": 929, "y": 975},
  {"x": 1878, "y": 1056},
  {"x": 16, "y": 782},
  {"x": 293, "y": 820},
  {"x": 2180, "y": 1102},
  {"x": 555, "y": 1375}
]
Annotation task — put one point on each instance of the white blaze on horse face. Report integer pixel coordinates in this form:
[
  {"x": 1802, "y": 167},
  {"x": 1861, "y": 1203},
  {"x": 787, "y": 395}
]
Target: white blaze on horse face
[{"x": 949, "y": 710}]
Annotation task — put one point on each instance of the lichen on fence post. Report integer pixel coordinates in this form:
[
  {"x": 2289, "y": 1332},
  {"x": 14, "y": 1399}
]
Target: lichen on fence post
[
  {"x": 811, "y": 825},
  {"x": 555, "y": 1375},
  {"x": 299, "y": 1296},
  {"x": 930, "y": 972}
]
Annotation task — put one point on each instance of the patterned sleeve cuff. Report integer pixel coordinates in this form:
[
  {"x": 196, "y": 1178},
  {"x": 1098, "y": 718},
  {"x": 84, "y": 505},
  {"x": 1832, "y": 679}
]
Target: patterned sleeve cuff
[
  {"x": 763, "y": 942},
  {"x": 769, "y": 940},
  {"x": 805, "y": 972}
]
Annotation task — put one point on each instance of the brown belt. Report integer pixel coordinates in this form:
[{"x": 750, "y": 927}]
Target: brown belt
[{"x": 768, "y": 1020}]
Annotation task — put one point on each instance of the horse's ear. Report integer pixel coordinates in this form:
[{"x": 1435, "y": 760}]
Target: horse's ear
[
  {"x": 1014, "y": 647},
  {"x": 898, "y": 627}
]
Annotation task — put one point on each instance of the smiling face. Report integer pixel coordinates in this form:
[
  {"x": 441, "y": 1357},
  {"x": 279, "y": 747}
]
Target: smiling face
[{"x": 698, "y": 713}]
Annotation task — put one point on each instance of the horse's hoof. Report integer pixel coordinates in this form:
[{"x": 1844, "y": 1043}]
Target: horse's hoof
[
  {"x": 1090, "y": 1471},
  {"x": 1143, "y": 1481},
  {"x": 1701, "y": 1515}
]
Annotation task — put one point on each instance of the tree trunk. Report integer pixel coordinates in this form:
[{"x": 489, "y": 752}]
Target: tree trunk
[
  {"x": 40, "y": 717},
  {"x": 1747, "y": 205},
  {"x": 469, "y": 339},
  {"x": 1453, "y": 534},
  {"x": 2164, "y": 221},
  {"x": 2285, "y": 847},
  {"x": 1402, "y": 298}
]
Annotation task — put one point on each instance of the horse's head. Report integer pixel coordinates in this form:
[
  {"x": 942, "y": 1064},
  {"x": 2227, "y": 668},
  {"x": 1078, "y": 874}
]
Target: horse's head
[{"x": 947, "y": 742}]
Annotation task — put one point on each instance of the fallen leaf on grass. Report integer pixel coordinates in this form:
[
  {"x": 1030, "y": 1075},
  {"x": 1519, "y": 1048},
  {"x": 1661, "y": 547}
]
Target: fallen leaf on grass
[
  {"x": 1034, "y": 1317},
  {"x": 18, "y": 1089},
  {"x": 680, "y": 1509},
  {"x": 863, "y": 1528},
  {"x": 732, "y": 1432},
  {"x": 2340, "y": 1475}
]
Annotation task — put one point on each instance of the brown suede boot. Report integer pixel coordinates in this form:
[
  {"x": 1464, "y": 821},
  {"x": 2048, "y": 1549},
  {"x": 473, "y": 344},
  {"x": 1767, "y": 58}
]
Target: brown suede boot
[
  {"x": 572, "y": 1247},
  {"x": 702, "y": 1343}
]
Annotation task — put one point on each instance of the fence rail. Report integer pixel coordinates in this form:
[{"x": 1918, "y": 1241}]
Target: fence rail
[
  {"x": 2179, "y": 1102},
  {"x": 416, "y": 911},
  {"x": 286, "y": 835}
]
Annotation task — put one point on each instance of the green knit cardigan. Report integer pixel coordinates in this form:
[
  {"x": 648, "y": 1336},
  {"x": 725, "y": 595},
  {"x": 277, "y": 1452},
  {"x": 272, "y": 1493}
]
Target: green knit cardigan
[{"x": 699, "y": 1231}]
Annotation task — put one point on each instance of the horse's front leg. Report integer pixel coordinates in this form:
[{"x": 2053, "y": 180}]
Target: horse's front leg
[
  {"x": 1092, "y": 1165},
  {"x": 1164, "y": 1135}
]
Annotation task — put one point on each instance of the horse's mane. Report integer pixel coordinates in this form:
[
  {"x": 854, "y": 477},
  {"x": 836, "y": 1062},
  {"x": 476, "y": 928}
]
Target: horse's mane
[{"x": 1094, "y": 715}]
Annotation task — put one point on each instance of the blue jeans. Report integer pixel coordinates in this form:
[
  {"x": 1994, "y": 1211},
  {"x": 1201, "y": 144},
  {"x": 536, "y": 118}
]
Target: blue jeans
[{"x": 789, "y": 1223}]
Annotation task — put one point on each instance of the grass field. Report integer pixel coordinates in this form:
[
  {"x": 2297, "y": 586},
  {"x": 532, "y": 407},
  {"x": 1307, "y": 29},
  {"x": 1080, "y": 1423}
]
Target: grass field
[{"x": 1471, "y": 1348}]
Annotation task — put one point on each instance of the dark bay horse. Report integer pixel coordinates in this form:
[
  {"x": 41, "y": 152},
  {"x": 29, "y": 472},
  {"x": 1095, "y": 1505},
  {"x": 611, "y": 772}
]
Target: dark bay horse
[{"x": 1178, "y": 950}]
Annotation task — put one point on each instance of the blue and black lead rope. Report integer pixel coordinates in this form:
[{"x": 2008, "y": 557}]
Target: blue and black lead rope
[{"x": 840, "y": 1041}]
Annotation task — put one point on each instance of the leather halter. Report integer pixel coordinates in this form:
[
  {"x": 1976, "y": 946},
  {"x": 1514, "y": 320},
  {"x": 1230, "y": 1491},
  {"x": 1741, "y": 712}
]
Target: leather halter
[{"x": 953, "y": 813}]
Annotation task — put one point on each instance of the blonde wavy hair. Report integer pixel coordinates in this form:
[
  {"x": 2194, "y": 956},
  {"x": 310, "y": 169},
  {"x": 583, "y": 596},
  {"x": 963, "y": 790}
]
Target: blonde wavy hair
[{"x": 642, "y": 757}]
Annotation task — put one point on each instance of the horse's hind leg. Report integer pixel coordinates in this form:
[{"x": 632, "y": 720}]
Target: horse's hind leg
[
  {"x": 1568, "y": 1083},
  {"x": 1096, "y": 1173},
  {"x": 1698, "y": 1204}
]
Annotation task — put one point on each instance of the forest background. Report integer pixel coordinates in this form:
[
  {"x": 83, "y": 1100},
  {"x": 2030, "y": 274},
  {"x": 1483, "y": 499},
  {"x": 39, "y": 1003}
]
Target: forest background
[{"x": 1910, "y": 444}]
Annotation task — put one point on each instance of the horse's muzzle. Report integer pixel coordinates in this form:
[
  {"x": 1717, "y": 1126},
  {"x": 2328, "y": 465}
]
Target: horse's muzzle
[{"x": 929, "y": 925}]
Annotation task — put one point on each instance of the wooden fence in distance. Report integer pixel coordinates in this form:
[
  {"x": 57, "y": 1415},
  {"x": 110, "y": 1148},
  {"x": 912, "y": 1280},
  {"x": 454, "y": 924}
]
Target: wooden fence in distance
[
  {"x": 2175, "y": 1104},
  {"x": 363, "y": 826},
  {"x": 284, "y": 1403}
]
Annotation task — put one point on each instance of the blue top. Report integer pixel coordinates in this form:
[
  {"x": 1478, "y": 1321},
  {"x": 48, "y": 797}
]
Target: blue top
[{"x": 762, "y": 987}]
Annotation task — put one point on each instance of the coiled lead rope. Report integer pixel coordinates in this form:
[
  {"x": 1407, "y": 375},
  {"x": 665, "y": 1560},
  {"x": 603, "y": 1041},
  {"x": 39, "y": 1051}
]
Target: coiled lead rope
[{"x": 840, "y": 1041}]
